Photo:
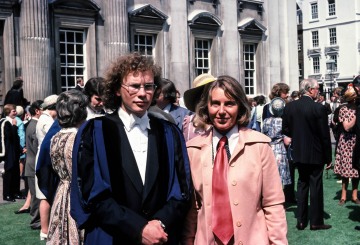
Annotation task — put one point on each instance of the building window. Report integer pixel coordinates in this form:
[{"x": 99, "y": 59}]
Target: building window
[
  {"x": 299, "y": 44},
  {"x": 144, "y": 44},
  {"x": 299, "y": 17},
  {"x": 334, "y": 57},
  {"x": 314, "y": 11},
  {"x": 315, "y": 39},
  {"x": 202, "y": 56},
  {"x": 71, "y": 57},
  {"x": 332, "y": 36},
  {"x": 332, "y": 10},
  {"x": 249, "y": 68},
  {"x": 300, "y": 70},
  {"x": 316, "y": 65}
]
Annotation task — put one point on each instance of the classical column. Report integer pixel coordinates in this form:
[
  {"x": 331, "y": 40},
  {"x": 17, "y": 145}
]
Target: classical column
[
  {"x": 230, "y": 63},
  {"x": 116, "y": 29},
  {"x": 35, "y": 49},
  {"x": 178, "y": 37}
]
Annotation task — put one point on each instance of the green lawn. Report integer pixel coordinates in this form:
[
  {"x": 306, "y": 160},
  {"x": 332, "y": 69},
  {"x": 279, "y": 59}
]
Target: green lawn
[
  {"x": 14, "y": 229},
  {"x": 342, "y": 218}
]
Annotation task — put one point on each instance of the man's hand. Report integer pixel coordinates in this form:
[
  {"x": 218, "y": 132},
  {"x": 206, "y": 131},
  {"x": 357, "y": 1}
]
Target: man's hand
[
  {"x": 328, "y": 166},
  {"x": 287, "y": 140},
  {"x": 153, "y": 233}
]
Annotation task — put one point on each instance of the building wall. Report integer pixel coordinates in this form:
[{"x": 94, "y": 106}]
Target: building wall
[
  {"x": 347, "y": 24},
  {"x": 109, "y": 28}
]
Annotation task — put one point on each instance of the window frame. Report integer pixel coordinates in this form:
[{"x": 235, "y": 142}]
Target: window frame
[
  {"x": 203, "y": 68},
  {"x": 316, "y": 65},
  {"x": 314, "y": 11},
  {"x": 332, "y": 36},
  {"x": 331, "y": 8},
  {"x": 71, "y": 78},
  {"x": 334, "y": 57},
  {"x": 153, "y": 42},
  {"x": 315, "y": 39},
  {"x": 251, "y": 80}
]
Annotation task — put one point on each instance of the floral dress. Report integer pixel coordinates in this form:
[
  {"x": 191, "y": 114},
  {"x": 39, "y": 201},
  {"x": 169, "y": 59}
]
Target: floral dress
[
  {"x": 62, "y": 228},
  {"x": 272, "y": 128},
  {"x": 345, "y": 147}
]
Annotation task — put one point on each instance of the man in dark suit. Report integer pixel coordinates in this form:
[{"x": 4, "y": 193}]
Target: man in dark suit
[
  {"x": 306, "y": 123},
  {"x": 131, "y": 179},
  {"x": 32, "y": 148},
  {"x": 165, "y": 97}
]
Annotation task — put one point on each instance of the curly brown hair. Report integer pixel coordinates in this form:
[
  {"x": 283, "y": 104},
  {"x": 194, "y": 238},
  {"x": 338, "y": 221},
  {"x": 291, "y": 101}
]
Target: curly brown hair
[
  {"x": 120, "y": 68},
  {"x": 232, "y": 89}
]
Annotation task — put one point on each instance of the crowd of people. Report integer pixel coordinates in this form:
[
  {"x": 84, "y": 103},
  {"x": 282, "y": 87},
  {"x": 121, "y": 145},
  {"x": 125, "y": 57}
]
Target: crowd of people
[{"x": 118, "y": 160}]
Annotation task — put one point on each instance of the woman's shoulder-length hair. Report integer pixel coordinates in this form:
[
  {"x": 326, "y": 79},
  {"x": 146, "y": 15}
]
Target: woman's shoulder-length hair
[{"x": 232, "y": 89}]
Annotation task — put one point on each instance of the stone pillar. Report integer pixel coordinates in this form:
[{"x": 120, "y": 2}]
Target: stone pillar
[
  {"x": 35, "y": 49},
  {"x": 116, "y": 29},
  {"x": 179, "y": 61},
  {"x": 231, "y": 61},
  {"x": 273, "y": 47}
]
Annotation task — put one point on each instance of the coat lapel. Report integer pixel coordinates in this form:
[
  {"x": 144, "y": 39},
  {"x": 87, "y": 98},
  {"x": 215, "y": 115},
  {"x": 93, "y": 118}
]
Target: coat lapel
[
  {"x": 152, "y": 165},
  {"x": 127, "y": 156}
]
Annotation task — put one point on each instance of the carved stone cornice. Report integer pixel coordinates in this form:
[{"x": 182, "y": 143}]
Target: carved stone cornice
[
  {"x": 258, "y": 3},
  {"x": 315, "y": 76},
  {"x": 315, "y": 52},
  {"x": 331, "y": 50},
  {"x": 147, "y": 14}
]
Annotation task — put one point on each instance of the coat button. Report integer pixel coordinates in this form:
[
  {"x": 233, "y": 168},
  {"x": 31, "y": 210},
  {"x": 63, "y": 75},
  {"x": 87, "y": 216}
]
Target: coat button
[
  {"x": 236, "y": 202},
  {"x": 238, "y": 224},
  {"x": 233, "y": 182},
  {"x": 240, "y": 243}
]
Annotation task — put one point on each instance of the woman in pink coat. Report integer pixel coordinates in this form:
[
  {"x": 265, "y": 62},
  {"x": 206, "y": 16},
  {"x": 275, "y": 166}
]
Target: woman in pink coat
[{"x": 238, "y": 197}]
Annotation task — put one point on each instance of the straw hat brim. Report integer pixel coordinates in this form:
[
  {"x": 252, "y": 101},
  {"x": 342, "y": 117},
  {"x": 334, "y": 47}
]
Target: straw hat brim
[{"x": 192, "y": 97}]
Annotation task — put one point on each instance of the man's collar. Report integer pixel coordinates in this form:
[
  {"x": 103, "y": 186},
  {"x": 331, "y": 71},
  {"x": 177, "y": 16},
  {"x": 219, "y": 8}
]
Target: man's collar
[{"x": 130, "y": 120}]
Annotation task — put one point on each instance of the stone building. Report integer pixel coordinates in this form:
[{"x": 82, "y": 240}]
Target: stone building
[
  {"x": 331, "y": 41},
  {"x": 50, "y": 43}
]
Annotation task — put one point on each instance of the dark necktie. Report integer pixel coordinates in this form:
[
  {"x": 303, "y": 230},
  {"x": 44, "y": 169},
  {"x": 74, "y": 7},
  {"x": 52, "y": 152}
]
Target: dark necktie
[{"x": 222, "y": 223}]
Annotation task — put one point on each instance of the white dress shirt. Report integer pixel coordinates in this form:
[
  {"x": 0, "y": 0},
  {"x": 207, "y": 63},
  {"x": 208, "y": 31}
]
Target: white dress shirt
[
  {"x": 233, "y": 138},
  {"x": 137, "y": 132}
]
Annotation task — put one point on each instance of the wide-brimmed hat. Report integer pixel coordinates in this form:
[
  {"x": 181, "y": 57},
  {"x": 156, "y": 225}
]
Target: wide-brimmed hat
[
  {"x": 192, "y": 96},
  {"x": 49, "y": 102},
  {"x": 277, "y": 106}
]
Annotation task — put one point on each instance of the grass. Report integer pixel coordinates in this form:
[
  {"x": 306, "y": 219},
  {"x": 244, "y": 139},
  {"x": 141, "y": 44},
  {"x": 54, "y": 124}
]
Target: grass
[
  {"x": 342, "y": 218},
  {"x": 15, "y": 230}
]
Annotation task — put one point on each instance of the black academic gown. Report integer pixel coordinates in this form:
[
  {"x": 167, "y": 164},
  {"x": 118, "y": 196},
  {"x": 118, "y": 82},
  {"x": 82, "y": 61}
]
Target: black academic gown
[{"x": 108, "y": 198}]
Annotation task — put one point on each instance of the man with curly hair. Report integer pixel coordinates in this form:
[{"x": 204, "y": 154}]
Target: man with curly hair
[{"x": 131, "y": 180}]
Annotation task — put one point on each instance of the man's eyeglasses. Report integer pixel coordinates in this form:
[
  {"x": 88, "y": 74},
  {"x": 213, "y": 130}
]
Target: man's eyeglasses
[{"x": 134, "y": 88}]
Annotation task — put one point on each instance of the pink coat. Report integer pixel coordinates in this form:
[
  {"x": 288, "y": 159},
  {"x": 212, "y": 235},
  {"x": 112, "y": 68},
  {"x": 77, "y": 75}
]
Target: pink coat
[{"x": 255, "y": 190}]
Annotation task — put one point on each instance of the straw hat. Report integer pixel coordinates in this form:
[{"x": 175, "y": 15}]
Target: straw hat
[
  {"x": 192, "y": 96},
  {"x": 277, "y": 106},
  {"x": 49, "y": 102}
]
